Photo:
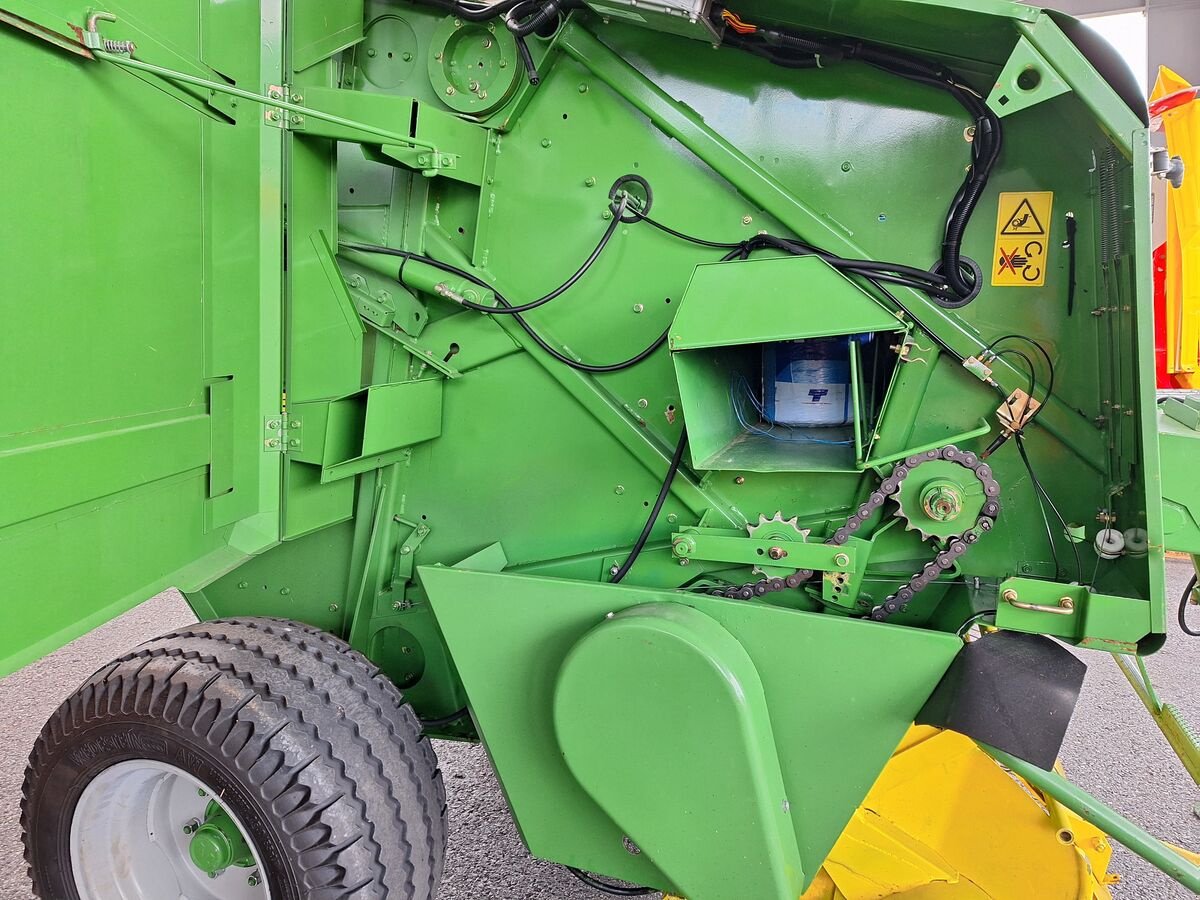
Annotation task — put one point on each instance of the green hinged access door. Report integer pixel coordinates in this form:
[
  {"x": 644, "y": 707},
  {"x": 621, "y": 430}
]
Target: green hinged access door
[{"x": 140, "y": 229}]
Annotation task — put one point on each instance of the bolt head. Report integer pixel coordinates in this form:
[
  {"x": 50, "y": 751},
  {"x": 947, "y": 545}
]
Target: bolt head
[
  {"x": 841, "y": 560},
  {"x": 748, "y": 220},
  {"x": 371, "y": 52},
  {"x": 333, "y": 607}
]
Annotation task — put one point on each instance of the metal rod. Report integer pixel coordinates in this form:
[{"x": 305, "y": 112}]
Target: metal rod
[
  {"x": 390, "y": 137},
  {"x": 1107, "y": 820}
]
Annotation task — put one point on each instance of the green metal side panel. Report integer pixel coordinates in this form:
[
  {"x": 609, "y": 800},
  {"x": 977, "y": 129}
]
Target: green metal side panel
[
  {"x": 841, "y": 696},
  {"x": 140, "y": 244},
  {"x": 1179, "y": 447}
]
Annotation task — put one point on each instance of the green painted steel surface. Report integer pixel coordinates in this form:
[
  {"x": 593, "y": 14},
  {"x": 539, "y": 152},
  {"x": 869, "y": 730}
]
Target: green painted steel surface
[
  {"x": 207, "y": 387},
  {"x": 712, "y": 759},
  {"x": 840, "y": 694},
  {"x": 140, "y": 233}
]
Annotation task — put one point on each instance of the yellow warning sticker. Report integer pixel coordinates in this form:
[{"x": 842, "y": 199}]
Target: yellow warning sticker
[{"x": 1022, "y": 239}]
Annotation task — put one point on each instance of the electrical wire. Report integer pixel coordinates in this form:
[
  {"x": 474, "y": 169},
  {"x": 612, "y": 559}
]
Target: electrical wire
[
  {"x": 604, "y": 887},
  {"x": 1054, "y": 508},
  {"x": 664, "y": 492},
  {"x": 1184, "y": 602},
  {"x": 747, "y": 393},
  {"x": 1037, "y": 491},
  {"x": 799, "y": 51},
  {"x": 444, "y": 720},
  {"x": 1051, "y": 372},
  {"x": 966, "y": 626}
]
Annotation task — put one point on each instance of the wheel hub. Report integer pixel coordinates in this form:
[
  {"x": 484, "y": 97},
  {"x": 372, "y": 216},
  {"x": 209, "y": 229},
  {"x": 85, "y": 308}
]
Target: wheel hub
[
  {"x": 218, "y": 843},
  {"x": 938, "y": 498}
]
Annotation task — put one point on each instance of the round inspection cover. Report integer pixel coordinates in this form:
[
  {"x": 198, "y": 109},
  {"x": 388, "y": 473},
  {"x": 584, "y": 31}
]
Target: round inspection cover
[
  {"x": 473, "y": 66},
  {"x": 388, "y": 53}
]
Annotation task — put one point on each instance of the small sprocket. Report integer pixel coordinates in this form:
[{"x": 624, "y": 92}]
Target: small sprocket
[{"x": 777, "y": 528}]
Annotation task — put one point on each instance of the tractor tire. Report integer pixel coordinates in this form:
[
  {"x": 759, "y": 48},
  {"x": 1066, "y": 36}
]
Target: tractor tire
[{"x": 245, "y": 759}]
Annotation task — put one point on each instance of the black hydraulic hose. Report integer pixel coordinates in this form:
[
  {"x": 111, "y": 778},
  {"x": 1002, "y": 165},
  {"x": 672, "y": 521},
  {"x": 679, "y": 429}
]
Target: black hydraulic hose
[
  {"x": 1184, "y": 602},
  {"x": 604, "y": 887},
  {"x": 663, "y": 493},
  {"x": 797, "y": 51},
  {"x": 531, "y": 69},
  {"x": 444, "y": 720},
  {"x": 544, "y": 16}
]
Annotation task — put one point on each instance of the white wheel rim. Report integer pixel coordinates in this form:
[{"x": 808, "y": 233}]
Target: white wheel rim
[{"x": 128, "y": 840}]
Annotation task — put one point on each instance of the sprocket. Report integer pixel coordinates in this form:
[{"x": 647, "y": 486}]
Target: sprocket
[{"x": 777, "y": 528}]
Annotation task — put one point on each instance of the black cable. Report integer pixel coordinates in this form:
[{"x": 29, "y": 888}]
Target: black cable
[
  {"x": 1054, "y": 508},
  {"x": 1052, "y": 374},
  {"x": 604, "y": 887},
  {"x": 1037, "y": 491},
  {"x": 798, "y": 51},
  {"x": 444, "y": 720},
  {"x": 663, "y": 493},
  {"x": 531, "y": 69},
  {"x": 1029, "y": 366},
  {"x": 716, "y": 245},
  {"x": 1184, "y": 602},
  {"x": 507, "y": 308}
]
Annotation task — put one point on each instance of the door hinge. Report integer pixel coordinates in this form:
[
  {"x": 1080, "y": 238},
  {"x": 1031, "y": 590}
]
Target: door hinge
[{"x": 281, "y": 434}]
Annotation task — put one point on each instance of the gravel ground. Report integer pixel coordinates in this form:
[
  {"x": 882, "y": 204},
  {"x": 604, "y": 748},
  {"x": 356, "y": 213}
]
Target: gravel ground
[{"x": 1113, "y": 750}]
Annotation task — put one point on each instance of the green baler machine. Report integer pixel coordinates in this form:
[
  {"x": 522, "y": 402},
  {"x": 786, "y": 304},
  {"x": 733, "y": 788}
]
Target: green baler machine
[{"x": 769, "y": 385}]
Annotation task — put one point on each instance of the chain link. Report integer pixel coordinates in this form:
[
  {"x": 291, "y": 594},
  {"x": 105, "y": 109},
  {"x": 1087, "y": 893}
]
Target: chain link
[{"x": 956, "y": 546}]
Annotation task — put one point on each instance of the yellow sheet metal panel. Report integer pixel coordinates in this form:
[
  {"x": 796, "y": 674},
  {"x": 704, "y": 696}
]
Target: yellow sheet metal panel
[
  {"x": 1181, "y": 124},
  {"x": 906, "y": 842}
]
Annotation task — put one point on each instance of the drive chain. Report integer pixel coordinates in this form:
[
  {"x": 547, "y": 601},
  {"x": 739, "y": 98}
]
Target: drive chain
[{"x": 956, "y": 546}]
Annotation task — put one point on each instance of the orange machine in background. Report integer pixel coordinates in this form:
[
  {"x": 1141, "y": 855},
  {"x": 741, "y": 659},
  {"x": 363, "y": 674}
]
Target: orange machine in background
[{"x": 1176, "y": 112}]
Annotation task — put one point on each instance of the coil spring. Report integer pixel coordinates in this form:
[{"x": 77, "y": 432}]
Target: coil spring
[
  {"x": 119, "y": 46},
  {"x": 1111, "y": 242}
]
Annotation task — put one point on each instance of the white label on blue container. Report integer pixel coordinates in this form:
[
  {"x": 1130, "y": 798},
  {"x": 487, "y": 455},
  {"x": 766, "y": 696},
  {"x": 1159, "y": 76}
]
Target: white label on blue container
[{"x": 810, "y": 403}]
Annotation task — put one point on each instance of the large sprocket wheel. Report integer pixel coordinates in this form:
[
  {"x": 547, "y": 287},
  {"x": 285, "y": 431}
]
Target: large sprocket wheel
[{"x": 940, "y": 499}]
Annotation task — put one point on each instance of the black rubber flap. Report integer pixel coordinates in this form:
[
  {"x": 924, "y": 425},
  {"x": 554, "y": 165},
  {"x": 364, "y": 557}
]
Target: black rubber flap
[{"x": 1014, "y": 691}]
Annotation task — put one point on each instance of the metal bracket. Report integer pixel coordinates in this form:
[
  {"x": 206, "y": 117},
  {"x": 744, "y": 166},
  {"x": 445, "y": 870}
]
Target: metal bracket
[
  {"x": 724, "y": 547},
  {"x": 415, "y": 154},
  {"x": 1027, "y": 80},
  {"x": 281, "y": 434},
  {"x": 406, "y": 552}
]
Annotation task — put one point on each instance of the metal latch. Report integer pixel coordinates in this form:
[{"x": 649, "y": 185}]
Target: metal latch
[
  {"x": 281, "y": 434},
  {"x": 1167, "y": 167}
]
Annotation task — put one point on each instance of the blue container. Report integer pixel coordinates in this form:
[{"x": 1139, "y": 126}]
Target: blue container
[{"x": 806, "y": 384}]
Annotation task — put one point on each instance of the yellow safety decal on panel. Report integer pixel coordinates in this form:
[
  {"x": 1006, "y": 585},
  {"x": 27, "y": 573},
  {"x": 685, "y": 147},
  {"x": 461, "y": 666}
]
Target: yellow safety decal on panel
[{"x": 1022, "y": 239}]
